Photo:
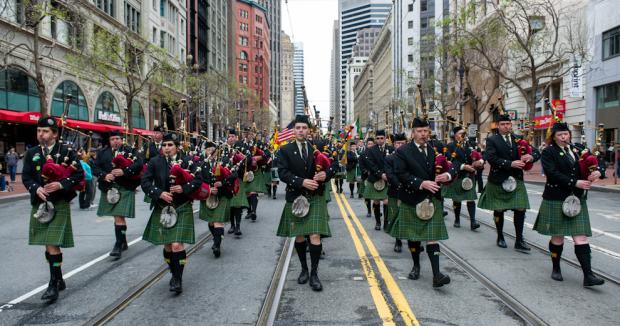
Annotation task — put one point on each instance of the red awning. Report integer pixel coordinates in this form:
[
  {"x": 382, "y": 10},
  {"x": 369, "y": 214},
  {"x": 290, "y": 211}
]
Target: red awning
[
  {"x": 144, "y": 132},
  {"x": 98, "y": 127},
  {"x": 20, "y": 117}
]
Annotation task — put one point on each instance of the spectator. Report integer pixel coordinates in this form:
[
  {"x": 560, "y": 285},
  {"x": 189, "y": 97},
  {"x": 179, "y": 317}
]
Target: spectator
[
  {"x": 11, "y": 159},
  {"x": 85, "y": 195},
  {"x": 618, "y": 165},
  {"x": 2, "y": 181}
]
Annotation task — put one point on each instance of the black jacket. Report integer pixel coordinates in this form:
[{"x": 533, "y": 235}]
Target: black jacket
[
  {"x": 31, "y": 174},
  {"x": 207, "y": 176},
  {"x": 151, "y": 150},
  {"x": 459, "y": 155},
  {"x": 393, "y": 182},
  {"x": 103, "y": 166},
  {"x": 292, "y": 170},
  {"x": 500, "y": 157},
  {"x": 562, "y": 175},
  {"x": 351, "y": 160},
  {"x": 375, "y": 161},
  {"x": 156, "y": 179},
  {"x": 412, "y": 168}
]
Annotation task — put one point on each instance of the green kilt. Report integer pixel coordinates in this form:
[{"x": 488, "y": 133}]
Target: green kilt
[
  {"x": 392, "y": 213},
  {"x": 58, "y": 232},
  {"x": 313, "y": 223},
  {"x": 220, "y": 214},
  {"x": 351, "y": 176},
  {"x": 327, "y": 194},
  {"x": 361, "y": 187},
  {"x": 240, "y": 199},
  {"x": 408, "y": 226},
  {"x": 256, "y": 185},
  {"x": 182, "y": 232},
  {"x": 126, "y": 206},
  {"x": 456, "y": 192},
  {"x": 552, "y": 221},
  {"x": 496, "y": 199},
  {"x": 371, "y": 193}
]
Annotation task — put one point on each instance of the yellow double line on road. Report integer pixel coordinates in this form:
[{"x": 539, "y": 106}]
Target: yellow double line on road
[{"x": 375, "y": 290}]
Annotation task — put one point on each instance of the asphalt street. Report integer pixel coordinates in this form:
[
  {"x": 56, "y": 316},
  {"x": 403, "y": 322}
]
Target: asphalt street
[{"x": 365, "y": 281}]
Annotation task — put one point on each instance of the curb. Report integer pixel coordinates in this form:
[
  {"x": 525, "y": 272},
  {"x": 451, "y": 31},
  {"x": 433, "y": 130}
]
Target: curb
[
  {"x": 594, "y": 188},
  {"x": 10, "y": 198}
]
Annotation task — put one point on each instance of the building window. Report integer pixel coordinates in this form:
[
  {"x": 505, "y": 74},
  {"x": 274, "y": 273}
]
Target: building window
[
  {"x": 243, "y": 55},
  {"x": 243, "y": 13},
  {"x": 259, "y": 19},
  {"x": 18, "y": 91},
  {"x": 424, "y": 22},
  {"x": 137, "y": 115},
  {"x": 611, "y": 43},
  {"x": 410, "y": 7},
  {"x": 424, "y": 5},
  {"x": 154, "y": 35},
  {"x": 162, "y": 8},
  {"x": 106, "y": 109},
  {"x": 243, "y": 26},
  {"x": 243, "y": 40},
  {"x": 410, "y": 58},
  {"x": 410, "y": 41},
  {"x": 243, "y": 67},
  {"x": 608, "y": 96},
  {"x": 259, "y": 31},
  {"x": 163, "y": 38},
  {"x": 132, "y": 18},
  {"x": 68, "y": 90},
  {"x": 410, "y": 24},
  {"x": 108, "y": 6}
]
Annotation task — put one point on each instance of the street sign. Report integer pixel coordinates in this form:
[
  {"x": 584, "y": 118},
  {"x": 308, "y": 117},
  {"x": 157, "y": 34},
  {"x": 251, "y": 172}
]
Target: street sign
[
  {"x": 559, "y": 105},
  {"x": 471, "y": 130}
]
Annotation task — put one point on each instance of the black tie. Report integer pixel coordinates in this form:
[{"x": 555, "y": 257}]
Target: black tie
[
  {"x": 304, "y": 152},
  {"x": 423, "y": 149},
  {"x": 507, "y": 137},
  {"x": 570, "y": 157}
]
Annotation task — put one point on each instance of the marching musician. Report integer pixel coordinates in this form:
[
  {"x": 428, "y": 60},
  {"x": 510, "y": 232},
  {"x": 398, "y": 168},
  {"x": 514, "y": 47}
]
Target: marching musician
[
  {"x": 464, "y": 188},
  {"x": 172, "y": 221},
  {"x": 375, "y": 165},
  {"x": 370, "y": 142},
  {"x": 153, "y": 148},
  {"x": 420, "y": 215},
  {"x": 305, "y": 212},
  {"x": 239, "y": 200},
  {"x": 51, "y": 226},
  {"x": 338, "y": 153},
  {"x": 253, "y": 181},
  {"x": 505, "y": 189},
  {"x": 118, "y": 168},
  {"x": 393, "y": 188},
  {"x": 567, "y": 179},
  {"x": 352, "y": 159}
]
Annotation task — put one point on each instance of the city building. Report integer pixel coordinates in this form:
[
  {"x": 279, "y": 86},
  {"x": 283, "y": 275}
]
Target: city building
[
  {"x": 274, "y": 18},
  {"x": 298, "y": 77},
  {"x": 334, "y": 78},
  {"x": 363, "y": 98},
  {"x": 287, "y": 108},
  {"x": 364, "y": 41},
  {"x": 382, "y": 87},
  {"x": 354, "y": 69}
]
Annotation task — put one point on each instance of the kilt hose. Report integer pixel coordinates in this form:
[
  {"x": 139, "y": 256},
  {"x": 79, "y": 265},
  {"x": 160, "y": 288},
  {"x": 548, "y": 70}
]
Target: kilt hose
[
  {"x": 313, "y": 223},
  {"x": 126, "y": 206},
  {"x": 220, "y": 214},
  {"x": 494, "y": 197},
  {"x": 58, "y": 232},
  {"x": 552, "y": 221},
  {"x": 456, "y": 192},
  {"x": 240, "y": 199},
  {"x": 408, "y": 226},
  {"x": 392, "y": 213},
  {"x": 371, "y": 193},
  {"x": 182, "y": 232}
]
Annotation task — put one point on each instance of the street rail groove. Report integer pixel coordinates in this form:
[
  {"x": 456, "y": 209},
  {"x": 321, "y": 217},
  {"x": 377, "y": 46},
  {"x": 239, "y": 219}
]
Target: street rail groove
[
  {"x": 271, "y": 304},
  {"x": 511, "y": 302}
]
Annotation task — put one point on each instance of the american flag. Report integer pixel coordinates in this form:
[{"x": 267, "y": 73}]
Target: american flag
[{"x": 286, "y": 133}]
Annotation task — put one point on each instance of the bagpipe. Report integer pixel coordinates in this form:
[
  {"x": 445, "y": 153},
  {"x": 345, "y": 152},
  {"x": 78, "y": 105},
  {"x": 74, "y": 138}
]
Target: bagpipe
[
  {"x": 524, "y": 148},
  {"x": 122, "y": 160},
  {"x": 180, "y": 176},
  {"x": 588, "y": 163},
  {"x": 52, "y": 171}
]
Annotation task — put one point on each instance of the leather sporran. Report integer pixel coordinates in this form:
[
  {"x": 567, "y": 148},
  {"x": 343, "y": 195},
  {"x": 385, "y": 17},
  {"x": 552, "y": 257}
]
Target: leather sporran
[
  {"x": 168, "y": 218},
  {"x": 425, "y": 209},
  {"x": 379, "y": 185},
  {"x": 571, "y": 206},
  {"x": 301, "y": 206},
  {"x": 45, "y": 213},
  {"x": 248, "y": 176},
  {"x": 510, "y": 184},
  {"x": 113, "y": 196},
  {"x": 212, "y": 202},
  {"x": 467, "y": 184}
]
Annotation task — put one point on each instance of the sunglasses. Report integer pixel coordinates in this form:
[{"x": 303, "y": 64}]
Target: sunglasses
[{"x": 168, "y": 144}]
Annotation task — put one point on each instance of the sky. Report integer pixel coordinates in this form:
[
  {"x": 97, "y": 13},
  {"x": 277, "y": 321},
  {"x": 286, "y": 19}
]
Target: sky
[{"x": 311, "y": 22}]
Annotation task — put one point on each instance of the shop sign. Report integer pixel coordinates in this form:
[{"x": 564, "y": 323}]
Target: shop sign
[
  {"x": 559, "y": 105},
  {"x": 108, "y": 116},
  {"x": 545, "y": 121}
]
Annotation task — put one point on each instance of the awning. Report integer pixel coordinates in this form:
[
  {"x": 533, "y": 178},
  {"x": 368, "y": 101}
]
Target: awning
[
  {"x": 20, "y": 117},
  {"x": 144, "y": 132}
]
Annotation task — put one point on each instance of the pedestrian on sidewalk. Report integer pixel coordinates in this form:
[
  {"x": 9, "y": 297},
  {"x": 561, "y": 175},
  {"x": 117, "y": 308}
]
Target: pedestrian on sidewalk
[
  {"x": 541, "y": 148},
  {"x": 2, "y": 180},
  {"x": 11, "y": 159},
  {"x": 85, "y": 194}
]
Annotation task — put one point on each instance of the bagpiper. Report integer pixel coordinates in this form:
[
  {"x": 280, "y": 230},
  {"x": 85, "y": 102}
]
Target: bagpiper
[
  {"x": 118, "y": 168},
  {"x": 152, "y": 149},
  {"x": 305, "y": 173},
  {"x": 51, "y": 174},
  {"x": 370, "y": 142},
  {"x": 239, "y": 200},
  {"x": 393, "y": 188},
  {"x": 505, "y": 189},
  {"x": 253, "y": 183},
  {"x": 375, "y": 188},
  {"x": 172, "y": 182},
  {"x": 337, "y": 154},
  {"x": 467, "y": 162},
  {"x": 564, "y": 210},
  {"x": 352, "y": 168},
  {"x": 420, "y": 215}
]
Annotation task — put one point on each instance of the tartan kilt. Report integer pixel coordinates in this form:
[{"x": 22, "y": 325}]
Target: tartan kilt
[
  {"x": 58, "y": 232},
  {"x": 126, "y": 206},
  {"x": 147, "y": 199},
  {"x": 327, "y": 193},
  {"x": 182, "y": 232},
  {"x": 392, "y": 213},
  {"x": 494, "y": 197},
  {"x": 257, "y": 183},
  {"x": 314, "y": 223},
  {"x": 456, "y": 192},
  {"x": 371, "y": 193},
  {"x": 351, "y": 176},
  {"x": 240, "y": 199},
  {"x": 552, "y": 221},
  {"x": 220, "y": 214},
  {"x": 361, "y": 187},
  {"x": 408, "y": 226}
]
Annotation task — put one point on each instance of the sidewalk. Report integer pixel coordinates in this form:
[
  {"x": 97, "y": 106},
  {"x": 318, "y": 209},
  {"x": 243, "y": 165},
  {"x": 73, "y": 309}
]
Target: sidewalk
[{"x": 19, "y": 191}]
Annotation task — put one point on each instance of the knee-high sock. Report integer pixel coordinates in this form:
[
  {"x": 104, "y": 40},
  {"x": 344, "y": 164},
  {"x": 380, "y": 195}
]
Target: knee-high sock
[
  {"x": 352, "y": 187},
  {"x": 414, "y": 248},
  {"x": 167, "y": 258},
  {"x": 498, "y": 217},
  {"x": 433, "y": 255},
  {"x": 457, "y": 211},
  {"x": 217, "y": 236},
  {"x": 519, "y": 220},
  {"x": 254, "y": 202},
  {"x": 368, "y": 205},
  {"x": 274, "y": 188},
  {"x": 377, "y": 209},
  {"x": 178, "y": 260},
  {"x": 238, "y": 217},
  {"x": 55, "y": 263},
  {"x": 315, "y": 256},
  {"x": 385, "y": 215},
  {"x": 471, "y": 209},
  {"x": 300, "y": 247},
  {"x": 556, "y": 255},
  {"x": 583, "y": 254},
  {"x": 233, "y": 213},
  {"x": 119, "y": 232}
]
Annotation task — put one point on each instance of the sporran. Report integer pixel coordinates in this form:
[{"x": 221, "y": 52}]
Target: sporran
[
  {"x": 379, "y": 185},
  {"x": 168, "y": 218},
  {"x": 467, "y": 184},
  {"x": 248, "y": 176},
  {"x": 212, "y": 202},
  {"x": 571, "y": 206},
  {"x": 45, "y": 213},
  {"x": 510, "y": 184},
  {"x": 113, "y": 196},
  {"x": 425, "y": 209},
  {"x": 301, "y": 206}
]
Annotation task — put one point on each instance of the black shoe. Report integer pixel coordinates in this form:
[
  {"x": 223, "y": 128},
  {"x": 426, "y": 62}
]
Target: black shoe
[
  {"x": 125, "y": 246},
  {"x": 398, "y": 247},
  {"x": 322, "y": 256},
  {"x": 592, "y": 280},
  {"x": 378, "y": 226},
  {"x": 368, "y": 215},
  {"x": 415, "y": 273},
  {"x": 304, "y": 276},
  {"x": 474, "y": 225},
  {"x": 61, "y": 285},
  {"x": 457, "y": 224},
  {"x": 522, "y": 246},
  {"x": 352, "y": 196},
  {"x": 557, "y": 275},
  {"x": 51, "y": 294},
  {"x": 441, "y": 280},
  {"x": 359, "y": 196},
  {"x": 315, "y": 283},
  {"x": 248, "y": 216},
  {"x": 445, "y": 213},
  {"x": 253, "y": 217},
  {"x": 116, "y": 251},
  {"x": 175, "y": 285},
  {"x": 231, "y": 230},
  {"x": 501, "y": 243},
  {"x": 238, "y": 231},
  {"x": 216, "y": 251},
  {"x": 274, "y": 197}
]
